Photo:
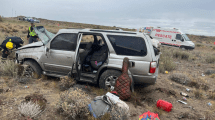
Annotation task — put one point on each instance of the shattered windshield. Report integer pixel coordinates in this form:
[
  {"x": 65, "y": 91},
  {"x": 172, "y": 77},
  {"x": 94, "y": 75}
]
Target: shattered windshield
[
  {"x": 185, "y": 37},
  {"x": 43, "y": 34}
]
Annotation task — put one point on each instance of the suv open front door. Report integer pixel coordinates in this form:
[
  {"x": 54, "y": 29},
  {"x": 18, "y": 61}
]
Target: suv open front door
[{"x": 76, "y": 67}]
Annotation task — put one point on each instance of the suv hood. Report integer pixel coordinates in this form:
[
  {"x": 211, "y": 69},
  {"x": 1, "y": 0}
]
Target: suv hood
[
  {"x": 44, "y": 35},
  {"x": 32, "y": 45}
]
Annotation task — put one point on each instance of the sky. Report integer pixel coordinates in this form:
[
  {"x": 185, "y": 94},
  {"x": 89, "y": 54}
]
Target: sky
[{"x": 191, "y": 16}]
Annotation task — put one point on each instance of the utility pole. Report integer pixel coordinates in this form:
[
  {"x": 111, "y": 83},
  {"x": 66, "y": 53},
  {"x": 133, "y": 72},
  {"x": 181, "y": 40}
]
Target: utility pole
[
  {"x": 12, "y": 12},
  {"x": 15, "y": 13}
]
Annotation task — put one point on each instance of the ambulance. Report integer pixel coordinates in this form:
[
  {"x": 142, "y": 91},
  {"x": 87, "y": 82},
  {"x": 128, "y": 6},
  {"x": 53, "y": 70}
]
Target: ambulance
[{"x": 170, "y": 37}]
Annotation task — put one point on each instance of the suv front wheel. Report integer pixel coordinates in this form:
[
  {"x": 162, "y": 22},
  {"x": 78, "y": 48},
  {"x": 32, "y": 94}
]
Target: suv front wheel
[
  {"x": 108, "y": 78},
  {"x": 33, "y": 70}
]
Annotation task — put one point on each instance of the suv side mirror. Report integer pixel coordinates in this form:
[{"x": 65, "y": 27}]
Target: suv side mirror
[{"x": 182, "y": 40}]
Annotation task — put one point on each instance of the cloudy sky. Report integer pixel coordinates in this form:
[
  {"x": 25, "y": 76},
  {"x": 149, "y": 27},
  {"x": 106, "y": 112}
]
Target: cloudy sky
[{"x": 191, "y": 16}]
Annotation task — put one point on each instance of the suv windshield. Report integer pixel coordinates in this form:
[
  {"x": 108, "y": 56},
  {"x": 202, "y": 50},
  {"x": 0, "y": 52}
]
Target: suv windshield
[
  {"x": 128, "y": 45},
  {"x": 185, "y": 37},
  {"x": 43, "y": 34}
]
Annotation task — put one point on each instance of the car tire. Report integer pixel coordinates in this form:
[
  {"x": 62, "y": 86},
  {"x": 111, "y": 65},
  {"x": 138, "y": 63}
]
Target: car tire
[
  {"x": 36, "y": 68},
  {"x": 106, "y": 76}
]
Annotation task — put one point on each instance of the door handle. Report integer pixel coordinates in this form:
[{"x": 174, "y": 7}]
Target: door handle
[{"x": 68, "y": 57}]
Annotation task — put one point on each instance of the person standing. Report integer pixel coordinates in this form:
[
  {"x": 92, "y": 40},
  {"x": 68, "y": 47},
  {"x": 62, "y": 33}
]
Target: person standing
[{"x": 32, "y": 36}]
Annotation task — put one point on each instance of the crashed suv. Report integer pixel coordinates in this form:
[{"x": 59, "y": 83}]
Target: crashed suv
[{"x": 92, "y": 55}]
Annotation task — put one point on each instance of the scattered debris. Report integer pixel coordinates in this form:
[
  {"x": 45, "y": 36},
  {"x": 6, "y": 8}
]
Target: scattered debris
[
  {"x": 149, "y": 116},
  {"x": 203, "y": 74},
  {"x": 166, "y": 72},
  {"x": 164, "y": 105},
  {"x": 182, "y": 102},
  {"x": 191, "y": 107},
  {"x": 209, "y": 104},
  {"x": 187, "y": 89},
  {"x": 26, "y": 86},
  {"x": 184, "y": 98},
  {"x": 184, "y": 94}
]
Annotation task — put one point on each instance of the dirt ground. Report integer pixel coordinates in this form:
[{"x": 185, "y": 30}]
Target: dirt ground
[{"x": 12, "y": 93}]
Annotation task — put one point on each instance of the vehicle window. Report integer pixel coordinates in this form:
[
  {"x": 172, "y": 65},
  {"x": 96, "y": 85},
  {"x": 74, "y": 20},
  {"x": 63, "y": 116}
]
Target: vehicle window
[
  {"x": 186, "y": 37},
  {"x": 178, "y": 36},
  {"x": 128, "y": 45},
  {"x": 87, "y": 38},
  {"x": 65, "y": 41}
]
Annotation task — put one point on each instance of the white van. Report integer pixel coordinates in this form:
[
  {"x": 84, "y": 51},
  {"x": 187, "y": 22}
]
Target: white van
[{"x": 171, "y": 37}]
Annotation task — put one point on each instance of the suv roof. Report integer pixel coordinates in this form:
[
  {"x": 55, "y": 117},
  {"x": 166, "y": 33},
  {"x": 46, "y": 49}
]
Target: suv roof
[{"x": 94, "y": 30}]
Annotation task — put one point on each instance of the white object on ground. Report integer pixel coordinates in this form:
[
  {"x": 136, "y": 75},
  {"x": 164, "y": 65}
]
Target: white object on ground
[{"x": 113, "y": 97}]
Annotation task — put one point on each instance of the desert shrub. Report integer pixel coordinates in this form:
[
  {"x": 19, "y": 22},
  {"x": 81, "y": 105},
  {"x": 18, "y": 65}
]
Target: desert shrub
[
  {"x": 198, "y": 94},
  {"x": 198, "y": 45},
  {"x": 213, "y": 48},
  {"x": 167, "y": 63},
  {"x": 37, "y": 99},
  {"x": 29, "y": 109},
  {"x": 210, "y": 59},
  {"x": 66, "y": 82},
  {"x": 1, "y": 19},
  {"x": 212, "y": 76},
  {"x": 24, "y": 31},
  {"x": 180, "y": 78},
  {"x": 74, "y": 103},
  {"x": 181, "y": 55},
  {"x": 117, "y": 113},
  {"x": 9, "y": 68},
  {"x": 14, "y": 30},
  {"x": 210, "y": 71},
  {"x": 211, "y": 95},
  {"x": 161, "y": 68}
]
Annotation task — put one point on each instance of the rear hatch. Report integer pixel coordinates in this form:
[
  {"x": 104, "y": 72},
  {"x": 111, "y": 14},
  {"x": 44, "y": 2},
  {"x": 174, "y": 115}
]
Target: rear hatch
[{"x": 44, "y": 35}]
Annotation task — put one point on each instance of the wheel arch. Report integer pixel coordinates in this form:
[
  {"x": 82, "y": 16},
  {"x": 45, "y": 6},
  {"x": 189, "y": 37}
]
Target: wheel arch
[
  {"x": 33, "y": 60},
  {"x": 104, "y": 68}
]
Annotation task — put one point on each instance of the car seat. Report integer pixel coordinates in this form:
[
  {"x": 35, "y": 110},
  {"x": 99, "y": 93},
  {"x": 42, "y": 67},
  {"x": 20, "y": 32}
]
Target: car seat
[
  {"x": 84, "y": 54},
  {"x": 99, "y": 57}
]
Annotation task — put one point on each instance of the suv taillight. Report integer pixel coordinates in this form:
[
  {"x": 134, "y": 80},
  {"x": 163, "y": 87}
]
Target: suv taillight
[{"x": 152, "y": 68}]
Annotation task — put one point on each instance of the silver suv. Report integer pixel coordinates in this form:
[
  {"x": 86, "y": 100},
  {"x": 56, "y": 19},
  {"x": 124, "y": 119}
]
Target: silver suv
[{"x": 92, "y": 55}]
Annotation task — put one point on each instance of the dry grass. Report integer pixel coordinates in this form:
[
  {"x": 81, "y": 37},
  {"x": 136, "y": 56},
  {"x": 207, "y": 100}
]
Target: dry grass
[
  {"x": 198, "y": 94},
  {"x": 212, "y": 76},
  {"x": 180, "y": 78},
  {"x": 1, "y": 19},
  {"x": 210, "y": 59},
  {"x": 9, "y": 68},
  {"x": 66, "y": 82},
  {"x": 181, "y": 54},
  {"x": 166, "y": 64}
]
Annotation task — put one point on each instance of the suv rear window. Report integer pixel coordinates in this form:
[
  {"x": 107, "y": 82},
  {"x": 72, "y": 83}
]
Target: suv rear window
[{"x": 128, "y": 45}]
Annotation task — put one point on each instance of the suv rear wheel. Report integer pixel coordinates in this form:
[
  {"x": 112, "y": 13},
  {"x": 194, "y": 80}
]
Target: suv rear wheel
[
  {"x": 33, "y": 70},
  {"x": 108, "y": 78}
]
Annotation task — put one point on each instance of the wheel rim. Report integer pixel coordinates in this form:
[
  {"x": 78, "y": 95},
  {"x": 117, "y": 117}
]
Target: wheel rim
[
  {"x": 110, "y": 82},
  {"x": 29, "y": 72}
]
